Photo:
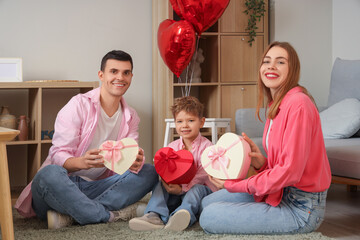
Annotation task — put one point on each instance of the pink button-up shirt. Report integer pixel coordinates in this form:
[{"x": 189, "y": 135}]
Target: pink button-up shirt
[
  {"x": 296, "y": 153},
  {"x": 74, "y": 130},
  {"x": 198, "y": 146}
]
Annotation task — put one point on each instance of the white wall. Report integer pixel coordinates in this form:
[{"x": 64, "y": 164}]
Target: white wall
[
  {"x": 307, "y": 25},
  {"x": 320, "y": 31},
  {"x": 346, "y": 33},
  {"x": 65, "y": 40}
]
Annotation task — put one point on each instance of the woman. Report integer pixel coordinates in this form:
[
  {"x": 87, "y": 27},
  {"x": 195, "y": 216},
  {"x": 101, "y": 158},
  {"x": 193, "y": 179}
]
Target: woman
[{"x": 288, "y": 193}]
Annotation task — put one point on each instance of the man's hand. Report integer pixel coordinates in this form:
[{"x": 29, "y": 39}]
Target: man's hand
[
  {"x": 257, "y": 158},
  {"x": 175, "y": 189},
  {"x": 219, "y": 183},
  {"x": 91, "y": 159},
  {"x": 138, "y": 161}
]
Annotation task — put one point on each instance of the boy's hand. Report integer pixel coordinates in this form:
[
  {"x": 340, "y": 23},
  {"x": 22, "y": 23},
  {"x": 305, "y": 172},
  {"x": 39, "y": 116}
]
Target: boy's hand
[
  {"x": 175, "y": 189},
  {"x": 219, "y": 183},
  {"x": 138, "y": 161}
]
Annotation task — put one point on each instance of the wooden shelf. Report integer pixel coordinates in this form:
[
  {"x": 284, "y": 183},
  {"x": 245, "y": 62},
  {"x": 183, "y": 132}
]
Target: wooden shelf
[
  {"x": 194, "y": 84},
  {"x": 40, "y": 101},
  {"x": 204, "y": 34},
  {"x": 22, "y": 142},
  {"x": 48, "y": 84},
  {"x": 235, "y": 83}
]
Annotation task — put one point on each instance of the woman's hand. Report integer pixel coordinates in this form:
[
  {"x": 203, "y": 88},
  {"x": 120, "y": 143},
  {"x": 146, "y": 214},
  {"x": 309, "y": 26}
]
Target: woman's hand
[
  {"x": 138, "y": 161},
  {"x": 257, "y": 158},
  {"x": 219, "y": 183},
  {"x": 91, "y": 159},
  {"x": 175, "y": 189}
]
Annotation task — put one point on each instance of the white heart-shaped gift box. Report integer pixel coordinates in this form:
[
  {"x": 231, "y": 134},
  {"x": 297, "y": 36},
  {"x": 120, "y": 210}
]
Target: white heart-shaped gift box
[
  {"x": 228, "y": 158},
  {"x": 119, "y": 155}
]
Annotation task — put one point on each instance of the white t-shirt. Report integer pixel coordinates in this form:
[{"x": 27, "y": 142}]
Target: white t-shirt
[
  {"x": 107, "y": 129},
  {"x": 267, "y": 135}
]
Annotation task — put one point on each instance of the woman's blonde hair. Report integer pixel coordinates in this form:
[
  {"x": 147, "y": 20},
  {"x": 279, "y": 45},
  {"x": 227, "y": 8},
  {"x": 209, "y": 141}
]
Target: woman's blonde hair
[{"x": 291, "y": 81}]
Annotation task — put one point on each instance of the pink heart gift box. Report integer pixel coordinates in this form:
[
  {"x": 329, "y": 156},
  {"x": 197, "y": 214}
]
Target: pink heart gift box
[
  {"x": 175, "y": 167},
  {"x": 228, "y": 158},
  {"x": 119, "y": 155}
]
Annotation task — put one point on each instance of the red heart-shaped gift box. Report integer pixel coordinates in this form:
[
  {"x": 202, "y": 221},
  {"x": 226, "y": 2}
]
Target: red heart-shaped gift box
[{"x": 175, "y": 167}]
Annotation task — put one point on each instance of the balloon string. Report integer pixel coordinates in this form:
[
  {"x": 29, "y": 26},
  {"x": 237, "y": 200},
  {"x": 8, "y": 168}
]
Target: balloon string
[
  {"x": 192, "y": 64},
  {"x": 182, "y": 88},
  {"x": 187, "y": 87},
  {"x": 186, "y": 79}
]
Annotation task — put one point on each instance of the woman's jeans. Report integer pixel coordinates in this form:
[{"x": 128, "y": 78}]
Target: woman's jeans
[
  {"x": 88, "y": 201},
  {"x": 166, "y": 205},
  {"x": 238, "y": 213}
]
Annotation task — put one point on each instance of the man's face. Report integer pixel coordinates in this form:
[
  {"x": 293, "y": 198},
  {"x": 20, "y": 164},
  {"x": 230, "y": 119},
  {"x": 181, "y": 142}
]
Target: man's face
[{"x": 116, "y": 77}]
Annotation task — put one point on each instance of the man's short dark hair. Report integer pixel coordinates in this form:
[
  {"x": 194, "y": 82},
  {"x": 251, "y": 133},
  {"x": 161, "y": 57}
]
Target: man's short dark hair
[{"x": 117, "y": 55}]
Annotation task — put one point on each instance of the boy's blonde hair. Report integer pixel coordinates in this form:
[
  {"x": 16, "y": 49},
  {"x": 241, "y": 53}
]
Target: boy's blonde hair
[{"x": 188, "y": 104}]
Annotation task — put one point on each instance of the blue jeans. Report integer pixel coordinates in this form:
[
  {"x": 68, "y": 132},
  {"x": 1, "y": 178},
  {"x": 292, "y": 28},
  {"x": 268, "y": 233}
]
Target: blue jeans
[
  {"x": 166, "y": 205},
  {"x": 238, "y": 213},
  {"x": 88, "y": 201}
]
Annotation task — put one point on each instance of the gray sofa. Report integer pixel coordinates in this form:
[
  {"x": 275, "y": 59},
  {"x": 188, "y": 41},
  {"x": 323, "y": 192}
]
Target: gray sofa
[{"x": 340, "y": 121}]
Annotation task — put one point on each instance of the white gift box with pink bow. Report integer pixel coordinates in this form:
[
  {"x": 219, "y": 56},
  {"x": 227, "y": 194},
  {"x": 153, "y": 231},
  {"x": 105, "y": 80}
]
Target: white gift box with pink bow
[
  {"x": 228, "y": 158},
  {"x": 119, "y": 155}
]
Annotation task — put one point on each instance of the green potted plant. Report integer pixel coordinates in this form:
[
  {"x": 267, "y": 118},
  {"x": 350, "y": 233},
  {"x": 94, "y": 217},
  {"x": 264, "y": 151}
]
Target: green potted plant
[{"x": 255, "y": 9}]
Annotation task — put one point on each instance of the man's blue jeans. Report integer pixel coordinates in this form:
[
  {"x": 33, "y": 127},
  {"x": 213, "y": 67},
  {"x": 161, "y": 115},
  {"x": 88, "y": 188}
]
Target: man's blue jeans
[
  {"x": 165, "y": 204},
  {"x": 238, "y": 213},
  {"x": 88, "y": 201}
]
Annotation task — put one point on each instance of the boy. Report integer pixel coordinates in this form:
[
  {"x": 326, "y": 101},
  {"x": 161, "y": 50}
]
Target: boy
[{"x": 173, "y": 204}]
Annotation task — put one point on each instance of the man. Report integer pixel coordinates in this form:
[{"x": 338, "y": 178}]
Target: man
[{"x": 73, "y": 183}]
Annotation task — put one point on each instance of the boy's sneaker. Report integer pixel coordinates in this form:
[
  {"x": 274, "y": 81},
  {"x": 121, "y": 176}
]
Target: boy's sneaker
[
  {"x": 179, "y": 221},
  {"x": 131, "y": 211},
  {"x": 150, "y": 221},
  {"x": 58, "y": 220}
]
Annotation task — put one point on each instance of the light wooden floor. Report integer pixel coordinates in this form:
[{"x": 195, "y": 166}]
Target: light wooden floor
[{"x": 342, "y": 216}]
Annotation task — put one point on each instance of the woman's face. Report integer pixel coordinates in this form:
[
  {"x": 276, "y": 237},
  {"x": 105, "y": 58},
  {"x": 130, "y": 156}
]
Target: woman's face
[{"x": 274, "y": 68}]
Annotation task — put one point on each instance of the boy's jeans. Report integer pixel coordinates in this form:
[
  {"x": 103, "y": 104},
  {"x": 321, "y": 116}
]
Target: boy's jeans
[
  {"x": 238, "y": 213},
  {"x": 88, "y": 201},
  {"x": 165, "y": 204}
]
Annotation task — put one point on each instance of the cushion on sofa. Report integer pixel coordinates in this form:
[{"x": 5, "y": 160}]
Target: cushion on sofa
[
  {"x": 341, "y": 120},
  {"x": 247, "y": 122},
  {"x": 344, "y": 156},
  {"x": 345, "y": 81}
]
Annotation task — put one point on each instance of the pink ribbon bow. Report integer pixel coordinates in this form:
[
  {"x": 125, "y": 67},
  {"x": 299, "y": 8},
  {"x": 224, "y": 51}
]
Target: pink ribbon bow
[
  {"x": 219, "y": 159},
  {"x": 113, "y": 153}
]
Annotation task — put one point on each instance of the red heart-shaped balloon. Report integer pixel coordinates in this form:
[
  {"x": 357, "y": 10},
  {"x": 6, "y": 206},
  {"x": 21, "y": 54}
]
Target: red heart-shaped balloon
[
  {"x": 201, "y": 14},
  {"x": 176, "y": 42},
  {"x": 175, "y": 167},
  {"x": 176, "y": 8}
]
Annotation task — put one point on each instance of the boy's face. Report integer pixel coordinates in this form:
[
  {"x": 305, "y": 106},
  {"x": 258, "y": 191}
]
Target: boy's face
[{"x": 188, "y": 125}]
